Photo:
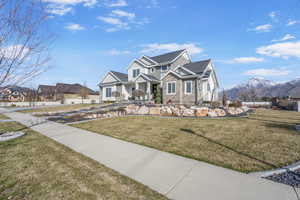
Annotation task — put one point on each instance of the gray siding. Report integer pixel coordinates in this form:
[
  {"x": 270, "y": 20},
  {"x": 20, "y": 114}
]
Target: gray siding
[
  {"x": 180, "y": 97},
  {"x": 189, "y": 98},
  {"x": 180, "y": 61},
  {"x": 176, "y": 98}
]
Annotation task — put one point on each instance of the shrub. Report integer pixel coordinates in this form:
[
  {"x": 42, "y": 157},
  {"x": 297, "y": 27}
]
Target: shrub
[{"x": 236, "y": 104}]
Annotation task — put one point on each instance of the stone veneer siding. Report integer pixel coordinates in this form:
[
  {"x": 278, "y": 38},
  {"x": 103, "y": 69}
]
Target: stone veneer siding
[{"x": 180, "y": 97}]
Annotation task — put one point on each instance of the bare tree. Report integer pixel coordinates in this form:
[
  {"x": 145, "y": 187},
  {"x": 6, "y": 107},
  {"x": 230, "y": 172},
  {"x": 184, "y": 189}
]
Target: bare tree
[
  {"x": 24, "y": 40},
  {"x": 84, "y": 92},
  {"x": 224, "y": 98}
]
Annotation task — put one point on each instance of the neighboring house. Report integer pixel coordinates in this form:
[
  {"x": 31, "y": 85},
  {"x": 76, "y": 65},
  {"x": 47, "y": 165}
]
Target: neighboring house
[
  {"x": 180, "y": 80},
  {"x": 16, "y": 94},
  {"x": 68, "y": 93},
  {"x": 46, "y": 92}
]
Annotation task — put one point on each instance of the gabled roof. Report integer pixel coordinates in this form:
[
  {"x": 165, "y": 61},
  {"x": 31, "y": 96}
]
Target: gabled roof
[
  {"x": 168, "y": 57},
  {"x": 47, "y": 89},
  {"x": 121, "y": 76},
  {"x": 150, "y": 77},
  {"x": 72, "y": 88},
  {"x": 197, "y": 67}
]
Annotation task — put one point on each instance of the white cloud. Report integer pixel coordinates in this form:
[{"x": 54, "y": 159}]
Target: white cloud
[
  {"x": 86, "y": 3},
  {"x": 74, "y": 27},
  {"x": 158, "y": 48},
  {"x": 62, "y": 7},
  {"x": 57, "y": 9},
  {"x": 116, "y": 22},
  {"x": 262, "y": 28},
  {"x": 274, "y": 16},
  {"x": 121, "y": 13},
  {"x": 292, "y": 22},
  {"x": 113, "y": 21},
  {"x": 267, "y": 72},
  {"x": 115, "y": 52},
  {"x": 118, "y": 3},
  {"x": 283, "y": 50},
  {"x": 153, "y": 4},
  {"x": 284, "y": 38},
  {"x": 245, "y": 60}
]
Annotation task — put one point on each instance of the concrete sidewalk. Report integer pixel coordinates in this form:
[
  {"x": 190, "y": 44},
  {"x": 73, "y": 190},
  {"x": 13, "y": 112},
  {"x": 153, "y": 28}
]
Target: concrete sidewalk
[{"x": 174, "y": 176}]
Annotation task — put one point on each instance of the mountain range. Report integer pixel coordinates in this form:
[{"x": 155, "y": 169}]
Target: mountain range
[{"x": 266, "y": 88}]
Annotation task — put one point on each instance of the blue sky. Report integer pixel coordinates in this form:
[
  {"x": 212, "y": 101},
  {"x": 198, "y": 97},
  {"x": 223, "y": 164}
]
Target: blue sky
[{"x": 243, "y": 38}]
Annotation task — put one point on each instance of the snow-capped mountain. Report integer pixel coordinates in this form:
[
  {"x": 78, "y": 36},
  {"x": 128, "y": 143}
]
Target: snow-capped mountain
[
  {"x": 257, "y": 82},
  {"x": 266, "y": 88}
]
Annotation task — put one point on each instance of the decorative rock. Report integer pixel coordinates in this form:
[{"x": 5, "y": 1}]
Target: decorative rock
[
  {"x": 201, "y": 112},
  {"x": 220, "y": 112},
  {"x": 211, "y": 113},
  {"x": 166, "y": 111},
  {"x": 176, "y": 111},
  {"x": 144, "y": 110},
  {"x": 188, "y": 113},
  {"x": 154, "y": 111},
  {"x": 132, "y": 109}
]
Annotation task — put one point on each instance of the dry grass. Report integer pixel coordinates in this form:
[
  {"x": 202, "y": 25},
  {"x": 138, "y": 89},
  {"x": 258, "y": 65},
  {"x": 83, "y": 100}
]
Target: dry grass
[
  {"x": 3, "y": 117},
  {"x": 265, "y": 140},
  {"x": 35, "y": 167},
  {"x": 61, "y": 108}
]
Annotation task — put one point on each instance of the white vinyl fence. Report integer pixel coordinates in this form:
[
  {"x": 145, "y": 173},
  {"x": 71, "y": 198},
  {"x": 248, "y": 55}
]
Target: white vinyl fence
[
  {"x": 31, "y": 104},
  {"x": 257, "y": 104}
]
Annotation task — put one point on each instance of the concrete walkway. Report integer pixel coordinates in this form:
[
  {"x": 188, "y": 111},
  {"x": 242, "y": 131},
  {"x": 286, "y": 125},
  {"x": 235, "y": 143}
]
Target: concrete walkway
[{"x": 174, "y": 176}]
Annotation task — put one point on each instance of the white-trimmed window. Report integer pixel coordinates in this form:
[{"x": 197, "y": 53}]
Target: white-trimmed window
[
  {"x": 208, "y": 87},
  {"x": 108, "y": 92},
  {"x": 135, "y": 72},
  {"x": 171, "y": 87},
  {"x": 164, "y": 68},
  {"x": 188, "y": 87}
]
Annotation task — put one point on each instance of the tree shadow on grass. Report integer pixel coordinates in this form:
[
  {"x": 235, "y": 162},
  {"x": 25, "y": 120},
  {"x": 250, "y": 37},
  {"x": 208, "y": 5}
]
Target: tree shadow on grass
[
  {"x": 270, "y": 121},
  {"x": 288, "y": 127},
  {"x": 230, "y": 148}
]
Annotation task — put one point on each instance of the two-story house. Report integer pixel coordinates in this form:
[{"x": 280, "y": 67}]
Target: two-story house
[{"x": 181, "y": 81}]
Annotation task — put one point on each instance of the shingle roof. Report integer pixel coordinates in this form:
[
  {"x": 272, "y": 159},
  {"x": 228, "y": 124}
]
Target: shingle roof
[
  {"x": 168, "y": 57},
  {"x": 150, "y": 77},
  {"x": 72, "y": 88},
  {"x": 123, "y": 77},
  {"x": 197, "y": 67},
  {"x": 47, "y": 89}
]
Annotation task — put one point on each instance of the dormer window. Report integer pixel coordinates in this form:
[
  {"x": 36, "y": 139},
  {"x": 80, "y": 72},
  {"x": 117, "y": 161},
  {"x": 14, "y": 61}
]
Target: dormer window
[
  {"x": 164, "y": 68},
  {"x": 136, "y": 72}
]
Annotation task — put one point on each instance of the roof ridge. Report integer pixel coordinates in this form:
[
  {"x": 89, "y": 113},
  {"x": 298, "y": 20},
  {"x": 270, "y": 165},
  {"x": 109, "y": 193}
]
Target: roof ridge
[{"x": 167, "y": 53}]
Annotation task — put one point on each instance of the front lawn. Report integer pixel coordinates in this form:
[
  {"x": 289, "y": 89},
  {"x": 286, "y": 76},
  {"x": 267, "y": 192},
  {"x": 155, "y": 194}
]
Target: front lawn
[
  {"x": 265, "y": 140},
  {"x": 3, "y": 117},
  {"x": 61, "y": 108},
  {"x": 36, "y": 167}
]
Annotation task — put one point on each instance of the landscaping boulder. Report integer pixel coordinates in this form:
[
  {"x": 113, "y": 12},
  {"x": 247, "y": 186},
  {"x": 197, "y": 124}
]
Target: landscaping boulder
[
  {"x": 212, "y": 113},
  {"x": 154, "y": 110},
  {"x": 188, "y": 112},
  {"x": 166, "y": 111},
  {"x": 132, "y": 109},
  {"x": 176, "y": 111},
  {"x": 143, "y": 110},
  {"x": 219, "y": 112},
  {"x": 201, "y": 112}
]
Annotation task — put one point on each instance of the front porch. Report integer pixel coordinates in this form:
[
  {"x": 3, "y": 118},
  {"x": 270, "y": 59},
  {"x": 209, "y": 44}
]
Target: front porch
[{"x": 144, "y": 88}]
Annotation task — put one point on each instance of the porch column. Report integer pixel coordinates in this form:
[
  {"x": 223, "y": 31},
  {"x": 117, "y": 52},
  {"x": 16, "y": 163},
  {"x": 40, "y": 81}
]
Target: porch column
[
  {"x": 136, "y": 88},
  {"x": 148, "y": 90}
]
